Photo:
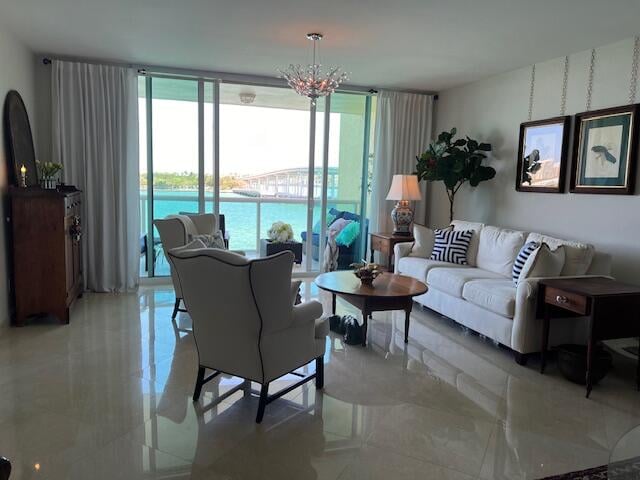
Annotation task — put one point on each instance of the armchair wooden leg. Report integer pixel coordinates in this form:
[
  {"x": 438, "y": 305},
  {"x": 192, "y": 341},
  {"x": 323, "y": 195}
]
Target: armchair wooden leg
[
  {"x": 319, "y": 373},
  {"x": 199, "y": 383},
  {"x": 264, "y": 397},
  {"x": 176, "y": 308}
]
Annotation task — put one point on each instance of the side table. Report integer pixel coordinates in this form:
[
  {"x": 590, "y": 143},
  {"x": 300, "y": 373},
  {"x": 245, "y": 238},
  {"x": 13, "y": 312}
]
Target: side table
[
  {"x": 612, "y": 309},
  {"x": 384, "y": 243},
  {"x": 268, "y": 247}
]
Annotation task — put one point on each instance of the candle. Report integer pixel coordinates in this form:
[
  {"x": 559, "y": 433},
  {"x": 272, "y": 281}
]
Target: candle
[{"x": 23, "y": 175}]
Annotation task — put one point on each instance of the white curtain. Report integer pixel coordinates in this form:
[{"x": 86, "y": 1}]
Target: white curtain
[
  {"x": 403, "y": 130},
  {"x": 95, "y": 138}
]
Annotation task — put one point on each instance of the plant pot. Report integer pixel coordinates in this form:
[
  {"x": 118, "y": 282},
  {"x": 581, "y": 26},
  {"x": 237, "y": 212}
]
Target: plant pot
[
  {"x": 572, "y": 362},
  {"x": 366, "y": 280},
  {"x": 48, "y": 183},
  {"x": 269, "y": 247}
]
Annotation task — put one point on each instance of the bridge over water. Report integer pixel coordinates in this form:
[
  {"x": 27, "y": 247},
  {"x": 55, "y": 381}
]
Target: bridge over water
[{"x": 292, "y": 182}]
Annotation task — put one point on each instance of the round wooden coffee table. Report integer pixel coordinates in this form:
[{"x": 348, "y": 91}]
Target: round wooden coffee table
[{"x": 388, "y": 292}]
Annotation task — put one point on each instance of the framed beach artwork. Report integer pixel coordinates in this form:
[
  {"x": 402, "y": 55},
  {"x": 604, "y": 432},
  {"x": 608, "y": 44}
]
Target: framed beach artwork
[
  {"x": 605, "y": 151},
  {"x": 542, "y": 155}
]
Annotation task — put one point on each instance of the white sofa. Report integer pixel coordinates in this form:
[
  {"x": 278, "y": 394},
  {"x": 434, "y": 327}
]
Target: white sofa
[{"x": 482, "y": 295}]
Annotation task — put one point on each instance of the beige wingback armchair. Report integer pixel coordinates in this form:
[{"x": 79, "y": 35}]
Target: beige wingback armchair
[
  {"x": 178, "y": 230},
  {"x": 245, "y": 322}
]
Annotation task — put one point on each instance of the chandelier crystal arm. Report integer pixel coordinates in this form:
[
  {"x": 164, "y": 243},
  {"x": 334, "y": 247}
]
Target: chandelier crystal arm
[{"x": 310, "y": 81}]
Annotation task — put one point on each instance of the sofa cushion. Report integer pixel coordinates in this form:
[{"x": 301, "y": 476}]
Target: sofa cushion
[
  {"x": 451, "y": 280},
  {"x": 498, "y": 249},
  {"x": 424, "y": 239},
  {"x": 354, "y": 217},
  {"x": 543, "y": 263},
  {"x": 472, "y": 251},
  {"x": 215, "y": 240},
  {"x": 497, "y": 296},
  {"x": 451, "y": 246},
  {"x": 527, "y": 250},
  {"x": 578, "y": 256},
  {"x": 338, "y": 225},
  {"x": 419, "y": 267},
  {"x": 348, "y": 234}
]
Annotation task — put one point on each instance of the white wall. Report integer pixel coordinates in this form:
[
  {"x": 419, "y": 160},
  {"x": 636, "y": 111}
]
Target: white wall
[
  {"x": 492, "y": 109},
  {"x": 16, "y": 73}
]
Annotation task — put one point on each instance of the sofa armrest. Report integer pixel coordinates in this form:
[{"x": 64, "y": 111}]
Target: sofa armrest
[
  {"x": 401, "y": 250},
  {"x": 600, "y": 264},
  {"x": 527, "y": 325}
]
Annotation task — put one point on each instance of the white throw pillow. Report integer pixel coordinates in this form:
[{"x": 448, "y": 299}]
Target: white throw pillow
[
  {"x": 476, "y": 228},
  {"x": 423, "y": 243},
  {"x": 578, "y": 256},
  {"x": 544, "y": 262},
  {"x": 215, "y": 240},
  {"x": 192, "y": 245},
  {"x": 498, "y": 249}
]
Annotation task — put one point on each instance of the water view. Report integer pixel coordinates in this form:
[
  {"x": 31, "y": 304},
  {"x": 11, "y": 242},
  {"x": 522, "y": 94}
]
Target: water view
[
  {"x": 241, "y": 213},
  {"x": 265, "y": 150}
]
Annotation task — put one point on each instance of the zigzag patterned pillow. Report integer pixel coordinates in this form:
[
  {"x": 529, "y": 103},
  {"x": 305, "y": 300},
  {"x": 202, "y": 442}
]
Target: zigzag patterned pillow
[{"x": 451, "y": 246}]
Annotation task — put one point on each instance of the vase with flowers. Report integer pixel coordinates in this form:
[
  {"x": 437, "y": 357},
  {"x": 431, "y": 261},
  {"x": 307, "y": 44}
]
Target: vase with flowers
[
  {"x": 48, "y": 173},
  {"x": 280, "y": 232},
  {"x": 366, "y": 272}
]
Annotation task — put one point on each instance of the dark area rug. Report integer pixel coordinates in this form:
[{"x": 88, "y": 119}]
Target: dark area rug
[
  {"x": 632, "y": 350},
  {"x": 598, "y": 473},
  {"x": 626, "y": 470}
]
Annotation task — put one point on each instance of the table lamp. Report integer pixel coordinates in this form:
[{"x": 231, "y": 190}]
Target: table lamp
[{"x": 404, "y": 188}]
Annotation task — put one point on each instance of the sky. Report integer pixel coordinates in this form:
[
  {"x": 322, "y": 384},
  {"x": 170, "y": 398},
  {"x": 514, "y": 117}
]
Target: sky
[{"x": 252, "y": 139}]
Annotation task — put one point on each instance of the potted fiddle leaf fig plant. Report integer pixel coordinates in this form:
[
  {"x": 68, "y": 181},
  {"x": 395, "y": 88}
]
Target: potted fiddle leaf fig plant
[{"x": 454, "y": 162}]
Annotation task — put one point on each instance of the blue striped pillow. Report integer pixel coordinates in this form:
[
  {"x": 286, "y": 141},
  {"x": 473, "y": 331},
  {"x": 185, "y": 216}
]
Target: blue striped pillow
[
  {"x": 524, "y": 253},
  {"x": 451, "y": 246}
]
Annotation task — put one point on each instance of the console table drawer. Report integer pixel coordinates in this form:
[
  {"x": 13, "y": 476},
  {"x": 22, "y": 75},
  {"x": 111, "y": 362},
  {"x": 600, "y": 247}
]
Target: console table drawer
[
  {"x": 381, "y": 245},
  {"x": 566, "y": 300}
]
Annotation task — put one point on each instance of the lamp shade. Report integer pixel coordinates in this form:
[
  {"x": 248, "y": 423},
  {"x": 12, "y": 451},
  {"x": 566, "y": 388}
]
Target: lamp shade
[{"x": 404, "y": 187}]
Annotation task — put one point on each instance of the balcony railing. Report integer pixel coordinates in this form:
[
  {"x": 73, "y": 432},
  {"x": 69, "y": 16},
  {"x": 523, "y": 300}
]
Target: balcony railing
[{"x": 247, "y": 218}]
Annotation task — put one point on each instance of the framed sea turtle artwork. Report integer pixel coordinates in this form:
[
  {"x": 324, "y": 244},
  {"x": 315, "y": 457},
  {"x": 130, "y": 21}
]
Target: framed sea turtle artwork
[
  {"x": 605, "y": 151},
  {"x": 542, "y": 155}
]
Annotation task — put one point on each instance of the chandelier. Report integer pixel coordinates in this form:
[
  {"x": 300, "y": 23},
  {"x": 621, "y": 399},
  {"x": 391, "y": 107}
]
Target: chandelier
[{"x": 309, "y": 81}]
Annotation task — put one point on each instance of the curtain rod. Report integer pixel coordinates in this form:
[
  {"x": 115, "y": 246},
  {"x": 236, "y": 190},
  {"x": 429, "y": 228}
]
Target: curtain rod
[{"x": 224, "y": 76}]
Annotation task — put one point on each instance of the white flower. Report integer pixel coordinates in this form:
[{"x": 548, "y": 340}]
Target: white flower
[{"x": 280, "y": 232}]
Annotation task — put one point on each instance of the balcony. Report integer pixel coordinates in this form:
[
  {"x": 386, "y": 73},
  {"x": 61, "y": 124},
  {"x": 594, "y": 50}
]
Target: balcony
[{"x": 247, "y": 219}]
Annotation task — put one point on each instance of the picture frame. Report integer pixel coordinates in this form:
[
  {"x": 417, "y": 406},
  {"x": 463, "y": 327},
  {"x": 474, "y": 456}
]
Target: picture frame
[
  {"x": 542, "y": 155},
  {"x": 605, "y": 150}
]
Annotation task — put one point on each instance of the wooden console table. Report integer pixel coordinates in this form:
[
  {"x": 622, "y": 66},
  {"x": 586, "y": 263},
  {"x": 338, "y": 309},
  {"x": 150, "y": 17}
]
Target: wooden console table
[
  {"x": 611, "y": 308},
  {"x": 384, "y": 243}
]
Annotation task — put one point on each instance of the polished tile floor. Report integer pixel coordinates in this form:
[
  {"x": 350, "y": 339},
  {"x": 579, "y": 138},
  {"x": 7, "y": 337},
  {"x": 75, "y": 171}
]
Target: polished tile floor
[{"x": 108, "y": 397}]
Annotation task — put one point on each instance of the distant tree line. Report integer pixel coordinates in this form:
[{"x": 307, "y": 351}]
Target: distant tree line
[{"x": 189, "y": 180}]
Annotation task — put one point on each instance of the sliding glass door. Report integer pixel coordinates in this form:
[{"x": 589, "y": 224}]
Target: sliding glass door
[
  {"x": 264, "y": 162},
  {"x": 170, "y": 176},
  {"x": 348, "y": 171},
  {"x": 255, "y": 155}
]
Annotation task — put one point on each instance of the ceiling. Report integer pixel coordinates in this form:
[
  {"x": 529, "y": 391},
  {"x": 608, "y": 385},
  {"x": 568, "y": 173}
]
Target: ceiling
[{"x": 405, "y": 44}]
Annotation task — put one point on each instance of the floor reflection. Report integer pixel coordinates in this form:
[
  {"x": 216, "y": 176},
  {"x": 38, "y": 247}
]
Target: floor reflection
[{"x": 109, "y": 396}]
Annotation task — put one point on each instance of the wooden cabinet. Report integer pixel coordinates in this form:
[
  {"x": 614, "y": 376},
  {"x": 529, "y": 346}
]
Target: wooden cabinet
[{"x": 46, "y": 255}]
